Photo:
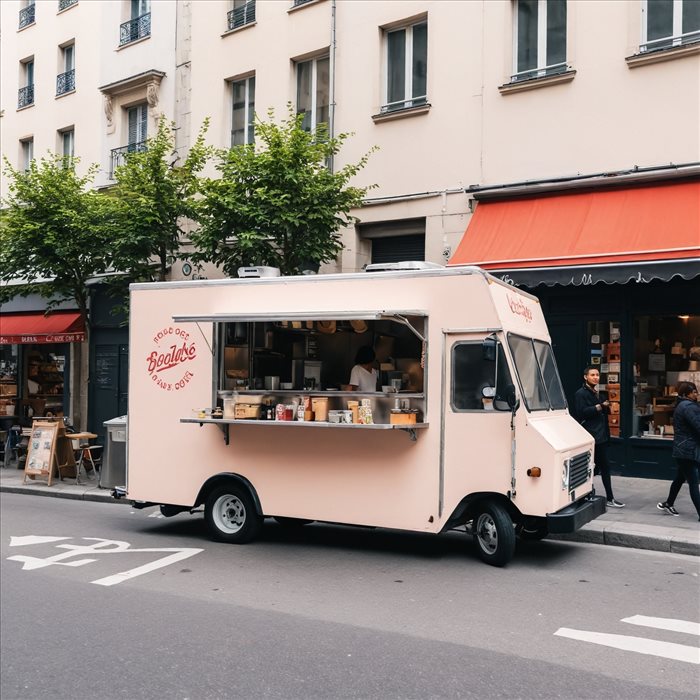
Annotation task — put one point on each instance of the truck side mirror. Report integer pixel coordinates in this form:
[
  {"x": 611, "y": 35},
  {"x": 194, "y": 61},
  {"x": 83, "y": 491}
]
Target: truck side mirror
[{"x": 488, "y": 349}]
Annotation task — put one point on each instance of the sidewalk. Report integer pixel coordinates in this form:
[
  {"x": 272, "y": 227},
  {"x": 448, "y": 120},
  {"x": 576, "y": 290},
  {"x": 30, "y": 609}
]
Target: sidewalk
[{"x": 639, "y": 525}]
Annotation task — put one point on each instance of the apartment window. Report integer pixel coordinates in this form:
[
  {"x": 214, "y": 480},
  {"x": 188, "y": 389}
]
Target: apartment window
[
  {"x": 68, "y": 143},
  {"x": 243, "y": 13},
  {"x": 139, "y": 25},
  {"x": 313, "y": 92},
  {"x": 669, "y": 23},
  {"x": 406, "y": 67},
  {"x": 27, "y": 152},
  {"x": 25, "y": 95},
  {"x": 243, "y": 115},
  {"x": 137, "y": 121},
  {"x": 65, "y": 81},
  {"x": 27, "y": 14},
  {"x": 540, "y": 39},
  {"x": 65, "y": 4}
]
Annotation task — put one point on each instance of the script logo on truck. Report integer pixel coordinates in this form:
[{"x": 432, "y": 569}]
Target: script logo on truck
[
  {"x": 174, "y": 349},
  {"x": 517, "y": 307}
]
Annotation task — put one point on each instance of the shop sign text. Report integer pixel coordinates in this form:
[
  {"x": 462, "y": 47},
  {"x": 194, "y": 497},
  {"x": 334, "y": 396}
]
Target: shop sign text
[{"x": 166, "y": 364}]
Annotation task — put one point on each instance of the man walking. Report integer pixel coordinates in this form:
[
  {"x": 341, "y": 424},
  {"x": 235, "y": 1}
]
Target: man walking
[{"x": 592, "y": 414}]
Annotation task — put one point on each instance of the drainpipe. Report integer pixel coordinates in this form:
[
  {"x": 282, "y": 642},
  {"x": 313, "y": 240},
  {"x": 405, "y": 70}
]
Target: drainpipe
[{"x": 331, "y": 87}]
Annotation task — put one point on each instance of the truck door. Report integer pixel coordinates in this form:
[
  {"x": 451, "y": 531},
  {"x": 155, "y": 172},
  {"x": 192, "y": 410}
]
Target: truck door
[{"x": 476, "y": 437}]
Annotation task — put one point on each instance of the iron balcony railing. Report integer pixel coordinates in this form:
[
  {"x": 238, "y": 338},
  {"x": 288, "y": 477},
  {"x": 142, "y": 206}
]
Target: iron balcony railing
[
  {"x": 405, "y": 104},
  {"x": 242, "y": 15},
  {"x": 135, "y": 29},
  {"x": 25, "y": 96},
  {"x": 65, "y": 82},
  {"x": 65, "y": 4},
  {"x": 26, "y": 16},
  {"x": 296, "y": 3},
  {"x": 543, "y": 72},
  {"x": 120, "y": 155},
  {"x": 668, "y": 42}
]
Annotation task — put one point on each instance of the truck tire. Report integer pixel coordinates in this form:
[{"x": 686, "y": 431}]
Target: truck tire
[
  {"x": 494, "y": 534},
  {"x": 230, "y": 514}
]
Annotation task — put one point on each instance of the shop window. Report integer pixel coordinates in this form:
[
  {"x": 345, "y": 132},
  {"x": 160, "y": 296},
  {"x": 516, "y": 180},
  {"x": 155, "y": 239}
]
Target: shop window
[
  {"x": 9, "y": 383},
  {"x": 604, "y": 353},
  {"x": 666, "y": 352}
]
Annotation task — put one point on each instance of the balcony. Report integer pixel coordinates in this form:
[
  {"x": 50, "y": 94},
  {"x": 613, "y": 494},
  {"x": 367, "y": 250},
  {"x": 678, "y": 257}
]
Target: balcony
[
  {"x": 25, "y": 96},
  {"x": 241, "y": 16},
  {"x": 120, "y": 155},
  {"x": 26, "y": 16},
  {"x": 135, "y": 29},
  {"x": 65, "y": 4},
  {"x": 65, "y": 82}
]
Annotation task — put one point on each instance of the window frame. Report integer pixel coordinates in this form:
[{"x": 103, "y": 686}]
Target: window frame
[
  {"x": 27, "y": 151},
  {"x": 676, "y": 37},
  {"x": 410, "y": 101},
  {"x": 313, "y": 111},
  {"x": 501, "y": 357},
  {"x": 542, "y": 69},
  {"x": 248, "y": 111},
  {"x": 64, "y": 134},
  {"x": 143, "y": 120}
]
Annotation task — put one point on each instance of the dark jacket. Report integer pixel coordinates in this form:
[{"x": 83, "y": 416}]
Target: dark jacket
[
  {"x": 686, "y": 429},
  {"x": 593, "y": 420}
]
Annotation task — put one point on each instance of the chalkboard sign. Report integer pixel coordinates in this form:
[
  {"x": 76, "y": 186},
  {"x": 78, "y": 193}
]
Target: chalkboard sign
[{"x": 41, "y": 455}]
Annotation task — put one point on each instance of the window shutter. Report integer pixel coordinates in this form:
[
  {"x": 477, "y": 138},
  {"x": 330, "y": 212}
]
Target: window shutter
[
  {"x": 132, "y": 138},
  {"x": 398, "y": 248},
  {"x": 143, "y": 122}
]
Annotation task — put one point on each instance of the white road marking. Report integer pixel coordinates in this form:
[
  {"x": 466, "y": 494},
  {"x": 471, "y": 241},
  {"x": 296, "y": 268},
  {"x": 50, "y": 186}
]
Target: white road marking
[
  {"x": 651, "y": 647},
  {"x": 146, "y": 568},
  {"x": 664, "y": 623},
  {"x": 33, "y": 539},
  {"x": 99, "y": 546}
]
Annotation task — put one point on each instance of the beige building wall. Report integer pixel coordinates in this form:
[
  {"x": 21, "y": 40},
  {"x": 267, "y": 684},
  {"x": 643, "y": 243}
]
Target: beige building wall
[{"x": 612, "y": 110}]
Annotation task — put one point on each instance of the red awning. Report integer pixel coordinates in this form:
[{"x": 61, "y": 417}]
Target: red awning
[
  {"x": 59, "y": 327},
  {"x": 629, "y": 229}
]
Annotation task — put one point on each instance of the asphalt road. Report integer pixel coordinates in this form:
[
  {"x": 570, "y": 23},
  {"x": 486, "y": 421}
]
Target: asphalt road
[{"x": 328, "y": 612}]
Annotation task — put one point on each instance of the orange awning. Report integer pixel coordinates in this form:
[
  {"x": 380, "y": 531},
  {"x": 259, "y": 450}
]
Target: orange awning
[
  {"x": 655, "y": 227},
  {"x": 59, "y": 327}
]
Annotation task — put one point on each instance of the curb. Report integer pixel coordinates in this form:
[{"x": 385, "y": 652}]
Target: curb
[
  {"x": 613, "y": 533},
  {"x": 71, "y": 496},
  {"x": 650, "y": 537}
]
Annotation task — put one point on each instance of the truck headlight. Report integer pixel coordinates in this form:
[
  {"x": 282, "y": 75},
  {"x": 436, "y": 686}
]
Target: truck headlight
[{"x": 565, "y": 474}]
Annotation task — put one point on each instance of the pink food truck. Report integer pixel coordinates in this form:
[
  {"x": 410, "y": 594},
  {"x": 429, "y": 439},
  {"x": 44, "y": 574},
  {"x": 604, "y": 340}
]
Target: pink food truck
[{"x": 240, "y": 401}]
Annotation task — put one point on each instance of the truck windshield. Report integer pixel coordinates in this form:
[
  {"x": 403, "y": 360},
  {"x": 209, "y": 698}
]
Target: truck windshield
[{"x": 537, "y": 371}]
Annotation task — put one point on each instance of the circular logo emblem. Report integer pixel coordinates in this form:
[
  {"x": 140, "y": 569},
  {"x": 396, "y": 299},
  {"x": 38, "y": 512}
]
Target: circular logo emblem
[{"x": 167, "y": 364}]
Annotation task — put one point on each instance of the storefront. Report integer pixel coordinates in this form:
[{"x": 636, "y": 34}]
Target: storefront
[
  {"x": 35, "y": 364},
  {"x": 617, "y": 270}
]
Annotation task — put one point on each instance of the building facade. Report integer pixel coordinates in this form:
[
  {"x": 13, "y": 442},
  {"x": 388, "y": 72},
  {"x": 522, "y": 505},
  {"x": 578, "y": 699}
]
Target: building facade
[{"x": 472, "y": 105}]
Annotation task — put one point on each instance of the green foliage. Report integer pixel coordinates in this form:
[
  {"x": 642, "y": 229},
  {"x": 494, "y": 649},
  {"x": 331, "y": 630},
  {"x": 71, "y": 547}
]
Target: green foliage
[
  {"x": 277, "y": 205},
  {"x": 154, "y": 194},
  {"x": 55, "y": 230}
]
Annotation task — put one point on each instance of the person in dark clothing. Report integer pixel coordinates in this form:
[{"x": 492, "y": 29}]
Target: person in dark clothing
[
  {"x": 592, "y": 413},
  {"x": 686, "y": 447}
]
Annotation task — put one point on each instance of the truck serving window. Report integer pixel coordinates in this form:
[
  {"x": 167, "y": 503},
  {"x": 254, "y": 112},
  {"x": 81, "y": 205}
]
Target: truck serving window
[
  {"x": 472, "y": 373},
  {"x": 537, "y": 371}
]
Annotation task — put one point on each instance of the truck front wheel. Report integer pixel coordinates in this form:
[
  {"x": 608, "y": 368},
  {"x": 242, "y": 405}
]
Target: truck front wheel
[
  {"x": 494, "y": 534},
  {"x": 230, "y": 515}
]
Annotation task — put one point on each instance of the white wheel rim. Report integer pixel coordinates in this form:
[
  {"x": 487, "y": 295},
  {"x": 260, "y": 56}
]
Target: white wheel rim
[
  {"x": 229, "y": 513},
  {"x": 486, "y": 533}
]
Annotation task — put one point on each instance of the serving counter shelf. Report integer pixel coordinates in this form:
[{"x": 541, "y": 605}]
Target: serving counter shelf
[
  {"x": 224, "y": 423},
  {"x": 324, "y": 393}
]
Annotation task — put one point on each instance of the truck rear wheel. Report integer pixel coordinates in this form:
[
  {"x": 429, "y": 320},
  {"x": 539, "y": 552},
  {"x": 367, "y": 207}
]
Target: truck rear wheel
[
  {"x": 494, "y": 534},
  {"x": 230, "y": 515}
]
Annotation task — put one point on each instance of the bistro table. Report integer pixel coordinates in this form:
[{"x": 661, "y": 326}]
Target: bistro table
[{"x": 84, "y": 450}]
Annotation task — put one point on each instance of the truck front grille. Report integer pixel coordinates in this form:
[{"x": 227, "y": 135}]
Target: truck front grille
[{"x": 579, "y": 467}]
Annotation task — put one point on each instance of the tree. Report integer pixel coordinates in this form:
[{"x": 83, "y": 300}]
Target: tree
[
  {"x": 278, "y": 205},
  {"x": 55, "y": 231},
  {"x": 154, "y": 193},
  {"x": 54, "y": 237}
]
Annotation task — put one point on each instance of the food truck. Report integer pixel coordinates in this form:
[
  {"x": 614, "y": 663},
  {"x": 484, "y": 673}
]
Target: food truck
[{"x": 240, "y": 402}]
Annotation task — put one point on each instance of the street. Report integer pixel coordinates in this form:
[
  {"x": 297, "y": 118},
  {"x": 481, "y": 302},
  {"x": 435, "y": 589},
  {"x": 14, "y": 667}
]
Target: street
[{"x": 151, "y": 608}]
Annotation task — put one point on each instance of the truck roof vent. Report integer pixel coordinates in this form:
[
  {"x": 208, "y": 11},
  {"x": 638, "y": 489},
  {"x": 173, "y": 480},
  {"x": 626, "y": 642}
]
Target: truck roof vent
[
  {"x": 405, "y": 265},
  {"x": 259, "y": 271}
]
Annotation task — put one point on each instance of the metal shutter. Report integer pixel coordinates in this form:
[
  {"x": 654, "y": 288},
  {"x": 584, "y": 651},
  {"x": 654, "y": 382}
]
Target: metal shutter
[{"x": 398, "y": 248}]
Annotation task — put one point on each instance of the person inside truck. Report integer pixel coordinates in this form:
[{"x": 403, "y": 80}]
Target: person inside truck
[{"x": 363, "y": 376}]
